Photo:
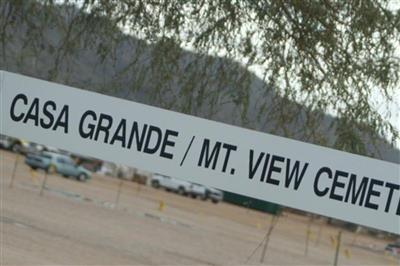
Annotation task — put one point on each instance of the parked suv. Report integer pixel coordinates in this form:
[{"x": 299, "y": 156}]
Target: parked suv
[
  {"x": 214, "y": 194},
  {"x": 57, "y": 163},
  {"x": 170, "y": 184},
  {"x": 197, "y": 190}
]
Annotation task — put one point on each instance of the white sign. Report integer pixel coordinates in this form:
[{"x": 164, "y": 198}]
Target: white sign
[{"x": 284, "y": 171}]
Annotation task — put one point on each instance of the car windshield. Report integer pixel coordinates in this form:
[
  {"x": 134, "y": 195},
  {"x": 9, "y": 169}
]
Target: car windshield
[
  {"x": 65, "y": 160},
  {"x": 47, "y": 156},
  {"x": 69, "y": 161}
]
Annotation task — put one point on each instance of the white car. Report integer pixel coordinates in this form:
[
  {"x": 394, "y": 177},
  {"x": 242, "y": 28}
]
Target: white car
[
  {"x": 171, "y": 184},
  {"x": 215, "y": 195},
  {"x": 197, "y": 190}
]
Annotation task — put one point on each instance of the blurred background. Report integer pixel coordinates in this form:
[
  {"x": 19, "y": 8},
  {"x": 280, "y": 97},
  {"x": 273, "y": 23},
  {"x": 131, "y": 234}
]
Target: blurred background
[{"x": 323, "y": 72}]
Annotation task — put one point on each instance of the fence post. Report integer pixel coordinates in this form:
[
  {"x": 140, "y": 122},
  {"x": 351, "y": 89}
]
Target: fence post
[
  {"x": 14, "y": 170},
  {"x": 119, "y": 192},
  {"x": 43, "y": 183},
  {"x": 318, "y": 239},
  {"x": 308, "y": 234},
  {"x": 274, "y": 221},
  {"x": 335, "y": 263}
]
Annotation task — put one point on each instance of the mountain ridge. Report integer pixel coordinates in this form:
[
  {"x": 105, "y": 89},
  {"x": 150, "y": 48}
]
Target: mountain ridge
[{"x": 164, "y": 75}]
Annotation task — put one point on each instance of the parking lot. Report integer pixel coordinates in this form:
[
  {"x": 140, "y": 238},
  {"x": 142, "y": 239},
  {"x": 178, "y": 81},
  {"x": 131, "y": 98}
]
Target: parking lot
[{"x": 76, "y": 223}]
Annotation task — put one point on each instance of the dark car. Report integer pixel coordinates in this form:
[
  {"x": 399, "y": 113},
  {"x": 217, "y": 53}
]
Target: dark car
[{"x": 393, "y": 248}]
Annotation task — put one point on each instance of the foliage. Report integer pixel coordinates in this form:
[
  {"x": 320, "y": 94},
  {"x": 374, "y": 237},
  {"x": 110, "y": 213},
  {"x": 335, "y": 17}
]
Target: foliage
[{"x": 326, "y": 55}]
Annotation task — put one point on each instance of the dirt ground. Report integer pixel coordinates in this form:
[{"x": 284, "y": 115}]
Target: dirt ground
[{"x": 75, "y": 223}]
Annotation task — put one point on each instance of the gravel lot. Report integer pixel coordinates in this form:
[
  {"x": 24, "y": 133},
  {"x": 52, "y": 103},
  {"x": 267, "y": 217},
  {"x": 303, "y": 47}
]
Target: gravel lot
[{"x": 76, "y": 223}]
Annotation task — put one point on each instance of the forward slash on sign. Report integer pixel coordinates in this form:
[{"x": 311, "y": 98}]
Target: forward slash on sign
[{"x": 187, "y": 150}]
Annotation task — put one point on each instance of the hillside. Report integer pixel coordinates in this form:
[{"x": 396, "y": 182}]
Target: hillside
[{"x": 164, "y": 75}]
